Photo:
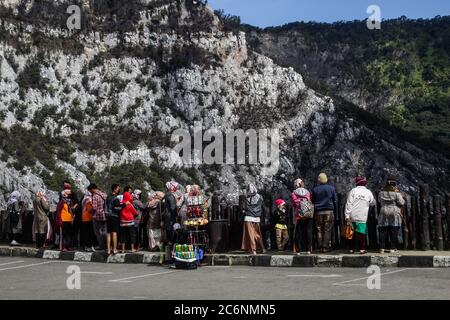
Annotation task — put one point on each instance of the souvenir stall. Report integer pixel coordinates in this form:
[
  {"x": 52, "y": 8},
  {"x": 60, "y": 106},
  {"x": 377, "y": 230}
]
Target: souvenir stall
[{"x": 196, "y": 224}]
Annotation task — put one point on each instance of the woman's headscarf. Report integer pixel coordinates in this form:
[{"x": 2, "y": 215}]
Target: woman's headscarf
[
  {"x": 172, "y": 186},
  {"x": 13, "y": 198},
  {"x": 154, "y": 198},
  {"x": 298, "y": 183},
  {"x": 252, "y": 194},
  {"x": 40, "y": 193},
  {"x": 195, "y": 190},
  {"x": 136, "y": 193},
  {"x": 127, "y": 197},
  {"x": 251, "y": 190},
  {"x": 65, "y": 196},
  {"x": 87, "y": 197}
]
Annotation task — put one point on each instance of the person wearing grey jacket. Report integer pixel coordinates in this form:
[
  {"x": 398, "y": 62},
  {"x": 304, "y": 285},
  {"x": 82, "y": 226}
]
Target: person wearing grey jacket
[
  {"x": 253, "y": 211},
  {"x": 390, "y": 217},
  {"x": 140, "y": 208}
]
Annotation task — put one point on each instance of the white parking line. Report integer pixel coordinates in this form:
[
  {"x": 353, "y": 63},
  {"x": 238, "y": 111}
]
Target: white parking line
[
  {"x": 94, "y": 272},
  {"x": 314, "y": 276},
  {"x": 343, "y": 283},
  {"x": 12, "y": 262},
  {"x": 26, "y": 266},
  {"x": 142, "y": 276}
]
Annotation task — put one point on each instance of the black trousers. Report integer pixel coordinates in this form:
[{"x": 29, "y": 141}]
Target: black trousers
[
  {"x": 87, "y": 235},
  {"x": 392, "y": 233},
  {"x": 40, "y": 240},
  {"x": 128, "y": 235},
  {"x": 358, "y": 241},
  {"x": 67, "y": 235},
  {"x": 304, "y": 234}
]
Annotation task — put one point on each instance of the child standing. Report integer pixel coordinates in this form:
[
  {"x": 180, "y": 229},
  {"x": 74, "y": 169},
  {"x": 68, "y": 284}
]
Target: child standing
[{"x": 281, "y": 220}]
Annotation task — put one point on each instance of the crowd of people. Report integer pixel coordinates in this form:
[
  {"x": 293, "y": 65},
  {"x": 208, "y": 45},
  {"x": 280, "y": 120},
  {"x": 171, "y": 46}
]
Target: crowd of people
[
  {"x": 113, "y": 223},
  {"x": 122, "y": 220},
  {"x": 314, "y": 211}
]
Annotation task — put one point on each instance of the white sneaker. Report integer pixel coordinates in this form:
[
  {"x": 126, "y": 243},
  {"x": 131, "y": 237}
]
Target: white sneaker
[
  {"x": 93, "y": 249},
  {"x": 381, "y": 250},
  {"x": 393, "y": 251},
  {"x": 15, "y": 243}
]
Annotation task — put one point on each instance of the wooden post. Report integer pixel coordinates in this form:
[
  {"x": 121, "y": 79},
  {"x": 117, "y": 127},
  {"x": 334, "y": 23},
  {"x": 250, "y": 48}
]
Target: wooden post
[
  {"x": 414, "y": 222},
  {"x": 338, "y": 241},
  {"x": 439, "y": 239},
  {"x": 405, "y": 226},
  {"x": 424, "y": 217},
  {"x": 241, "y": 206},
  {"x": 447, "y": 217},
  {"x": 214, "y": 207}
]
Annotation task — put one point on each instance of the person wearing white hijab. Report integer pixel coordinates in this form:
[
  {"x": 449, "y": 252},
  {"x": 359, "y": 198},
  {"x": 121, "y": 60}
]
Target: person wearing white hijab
[{"x": 253, "y": 211}]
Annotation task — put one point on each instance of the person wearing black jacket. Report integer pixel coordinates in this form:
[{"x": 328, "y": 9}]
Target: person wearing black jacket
[
  {"x": 170, "y": 216},
  {"x": 252, "y": 238},
  {"x": 113, "y": 209}
]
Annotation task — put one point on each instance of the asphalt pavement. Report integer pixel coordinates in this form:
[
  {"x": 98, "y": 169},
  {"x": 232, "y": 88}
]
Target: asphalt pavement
[{"x": 31, "y": 278}]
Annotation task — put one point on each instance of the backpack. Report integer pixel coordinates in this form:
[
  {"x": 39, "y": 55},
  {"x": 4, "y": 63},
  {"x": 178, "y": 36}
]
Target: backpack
[{"x": 306, "y": 209}]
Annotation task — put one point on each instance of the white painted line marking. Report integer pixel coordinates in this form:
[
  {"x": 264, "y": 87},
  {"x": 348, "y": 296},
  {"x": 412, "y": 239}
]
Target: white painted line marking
[
  {"x": 314, "y": 276},
  {"x": 94, "y": 272},
  {"x": 143, "y": 276},
  {"x": 26, "y": 266},
  {"x": 365, "y": 278},
  {"x": 12, "y": 262}
]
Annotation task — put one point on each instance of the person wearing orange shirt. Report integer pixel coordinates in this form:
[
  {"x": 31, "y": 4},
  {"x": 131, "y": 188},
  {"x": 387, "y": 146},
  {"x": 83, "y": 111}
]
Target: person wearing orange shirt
[
  {"x": 64, "y": 220},
  {"x": 87, "y": 228}
]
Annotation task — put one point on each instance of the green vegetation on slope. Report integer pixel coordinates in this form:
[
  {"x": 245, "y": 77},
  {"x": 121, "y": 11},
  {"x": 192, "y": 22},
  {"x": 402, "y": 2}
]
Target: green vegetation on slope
[{"x": 407, "y": 62}]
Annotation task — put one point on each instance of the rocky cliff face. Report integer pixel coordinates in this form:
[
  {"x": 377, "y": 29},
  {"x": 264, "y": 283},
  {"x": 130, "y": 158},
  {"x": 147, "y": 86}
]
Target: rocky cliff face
[{"x": 102, "y": 102}]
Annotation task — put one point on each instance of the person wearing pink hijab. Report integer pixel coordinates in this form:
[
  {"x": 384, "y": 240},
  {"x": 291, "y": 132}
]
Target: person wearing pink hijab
[{"x": 303, "y": 226}]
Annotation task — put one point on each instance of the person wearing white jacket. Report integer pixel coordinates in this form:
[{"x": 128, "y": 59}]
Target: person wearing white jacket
[{"x": 359, "y": 200}]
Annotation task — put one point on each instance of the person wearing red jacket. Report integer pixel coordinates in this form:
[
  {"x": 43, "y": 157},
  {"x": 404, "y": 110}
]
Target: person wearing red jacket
[{"x": 127, "y": 230}]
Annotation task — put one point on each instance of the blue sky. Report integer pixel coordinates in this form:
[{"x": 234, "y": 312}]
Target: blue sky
[{"x": 264, "y": 13}]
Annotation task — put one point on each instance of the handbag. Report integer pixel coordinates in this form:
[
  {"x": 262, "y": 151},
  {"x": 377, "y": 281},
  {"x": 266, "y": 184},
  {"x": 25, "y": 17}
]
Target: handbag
[{"x": 348, "y": 231}]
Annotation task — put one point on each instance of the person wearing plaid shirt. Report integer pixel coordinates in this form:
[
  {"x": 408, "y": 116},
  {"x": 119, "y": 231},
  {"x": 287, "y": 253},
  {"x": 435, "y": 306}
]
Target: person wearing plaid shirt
[{"x": 99, "y": 215}]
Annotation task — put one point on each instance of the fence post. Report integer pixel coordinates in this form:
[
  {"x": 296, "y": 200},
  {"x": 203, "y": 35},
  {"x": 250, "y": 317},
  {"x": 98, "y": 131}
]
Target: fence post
[
  {"x": 414, "y": 222},
  {"x": 405, "y": 226},
  {"x": 439, "y": 239},
  {"x": 424, "y": 217},
  {"x": 447, "y": 216},
  {"x": 338, "y": 241},
  {"x": 214, "y": 207}
]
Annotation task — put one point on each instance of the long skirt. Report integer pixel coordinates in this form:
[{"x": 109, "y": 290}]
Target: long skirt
[
  {"x": 154, "y": 238},
  {"x": 252, "y": 237}
]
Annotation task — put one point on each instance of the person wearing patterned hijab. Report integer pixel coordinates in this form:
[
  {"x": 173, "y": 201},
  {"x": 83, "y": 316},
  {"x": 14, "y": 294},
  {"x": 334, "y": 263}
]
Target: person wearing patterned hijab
[
  {"x": 253, "y": 211},
  {"x": 41, "y": 225}
]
